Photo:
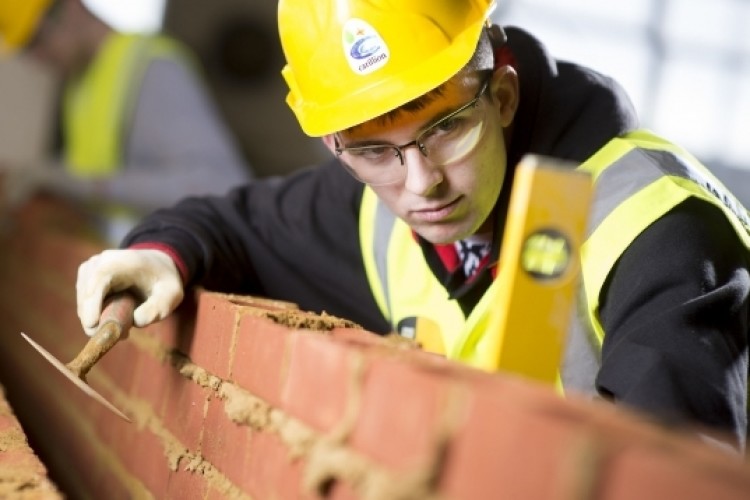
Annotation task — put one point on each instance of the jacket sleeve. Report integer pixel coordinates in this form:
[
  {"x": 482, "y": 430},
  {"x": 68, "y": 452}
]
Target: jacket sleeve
[
  {"x": 675, "y": 312},
  {"x": 294, "y": 238}
]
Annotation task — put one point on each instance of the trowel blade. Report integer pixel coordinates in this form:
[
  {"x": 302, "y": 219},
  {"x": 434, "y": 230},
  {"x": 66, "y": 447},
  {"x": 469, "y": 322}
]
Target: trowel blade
[{"x": 73, "y": 378}]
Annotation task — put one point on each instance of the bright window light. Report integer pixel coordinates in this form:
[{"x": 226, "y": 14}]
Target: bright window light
[
  {"x": 688, "y": 83},
  {"x": 140, "y": 16}
]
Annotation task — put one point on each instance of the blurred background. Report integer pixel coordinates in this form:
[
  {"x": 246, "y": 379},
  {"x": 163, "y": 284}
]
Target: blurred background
[{"x": 685, "y": 64}]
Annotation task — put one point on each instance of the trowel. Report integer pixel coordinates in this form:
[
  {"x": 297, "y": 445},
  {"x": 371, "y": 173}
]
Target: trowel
[{"x": 114, "y": 324}]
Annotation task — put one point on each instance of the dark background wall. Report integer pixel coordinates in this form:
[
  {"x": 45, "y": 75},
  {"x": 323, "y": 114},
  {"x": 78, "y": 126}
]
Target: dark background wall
[{"x": 238, "y": 44}]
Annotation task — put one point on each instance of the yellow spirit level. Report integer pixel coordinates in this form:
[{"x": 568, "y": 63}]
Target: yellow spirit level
[{"x": 538, "y": 268}]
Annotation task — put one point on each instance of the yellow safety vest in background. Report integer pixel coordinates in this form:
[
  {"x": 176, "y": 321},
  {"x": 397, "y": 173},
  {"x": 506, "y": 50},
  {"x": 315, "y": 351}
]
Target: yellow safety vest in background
[
  {"x": 98, "y": 105},
  {"x": 638, "y": 178}
]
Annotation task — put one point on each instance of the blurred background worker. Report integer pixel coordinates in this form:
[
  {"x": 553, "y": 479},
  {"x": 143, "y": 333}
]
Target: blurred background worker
[{"x": 136, "y": 128}]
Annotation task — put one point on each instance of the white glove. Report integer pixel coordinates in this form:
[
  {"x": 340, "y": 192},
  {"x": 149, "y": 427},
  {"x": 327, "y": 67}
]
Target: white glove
[{"x": 151, "y": 273}]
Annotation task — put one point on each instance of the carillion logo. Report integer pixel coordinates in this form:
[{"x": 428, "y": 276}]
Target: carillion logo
[{"x": 364, "y": 48}]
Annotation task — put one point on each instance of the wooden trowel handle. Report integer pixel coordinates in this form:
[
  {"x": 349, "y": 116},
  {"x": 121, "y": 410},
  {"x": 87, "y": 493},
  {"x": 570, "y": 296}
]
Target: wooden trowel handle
[{"x": 115, "y": 321}]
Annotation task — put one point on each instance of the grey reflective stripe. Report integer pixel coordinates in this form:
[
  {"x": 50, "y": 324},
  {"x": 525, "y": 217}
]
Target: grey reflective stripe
[
  {"x": 582, "y": 356},
  {"x": 674, "y": 165},
  {"x": 384, "y": 221},
  {"x": 619, "y": 182}
]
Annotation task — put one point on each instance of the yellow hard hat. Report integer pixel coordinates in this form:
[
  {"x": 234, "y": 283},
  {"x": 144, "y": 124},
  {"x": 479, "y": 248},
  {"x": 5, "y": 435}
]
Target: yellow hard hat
[
  {"x": 18, "y": 22},
  {"x": 349, "y": 61}
]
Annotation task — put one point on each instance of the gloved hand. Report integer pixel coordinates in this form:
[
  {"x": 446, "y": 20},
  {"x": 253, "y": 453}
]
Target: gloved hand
[{"x": 152, "y": 274}]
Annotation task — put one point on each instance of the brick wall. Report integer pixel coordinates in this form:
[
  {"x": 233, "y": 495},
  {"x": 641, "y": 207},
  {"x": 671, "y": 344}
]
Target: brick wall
[
  {"x": 239, "y": 397},
  {"x": 22, "y": 474}
]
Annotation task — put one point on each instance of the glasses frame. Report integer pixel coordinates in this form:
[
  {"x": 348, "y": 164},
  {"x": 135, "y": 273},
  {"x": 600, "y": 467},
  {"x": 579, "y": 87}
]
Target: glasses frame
[{"x": 398, "y": 151}]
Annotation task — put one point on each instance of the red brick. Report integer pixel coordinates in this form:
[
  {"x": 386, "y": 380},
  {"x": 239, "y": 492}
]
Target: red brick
[
  {"x": 271, "y": 472},
  {"x": 84, "y": 404},
  {"x": 502, "y": 445},
  {"x": 184, "y": 484},
  {"x": 214, "y": 331},
  {"x": 99, "y": 414},
  {"x": 341, "y": 490},
  {"x": 120, "y": 364},
  {"x": 177, "y": 331},
  {"x": 226, "y": 443},
  {"x": 166, "y": 332},
  {"x": 53, "y": 280},
  {"x": 96, "y": 469},
  {"x": 654, "y": 473},
  {"x": 62, "y": 253},
  {"x": 147, "y": 461},
  {"x": 399, "y": 414},
  {"x": 362, "y": 338},
  {"x": 183, "y": 410},
  {"x": 151, "y": 380},
  {"x": 21, "y": 458},
  {"x": 260, "y": 360},
  {"x": 57, "y": 329},
  {"x": 8, "y": 423},
  {"x": 80, "y": 460},
  {"x": 215, "y": 494},
  {"x": 121, "y": 440},
  {"x": 319, "y": 380}
]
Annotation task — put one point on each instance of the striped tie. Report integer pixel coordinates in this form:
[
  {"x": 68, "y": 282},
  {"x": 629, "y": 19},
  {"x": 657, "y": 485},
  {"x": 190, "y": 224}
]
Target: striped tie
[{"x": 471, "y": 255}]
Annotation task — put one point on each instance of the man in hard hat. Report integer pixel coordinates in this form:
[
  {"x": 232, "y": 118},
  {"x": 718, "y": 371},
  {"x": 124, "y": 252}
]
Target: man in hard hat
[
  {"x": 427, "y": 110},
  {"x": 137, "y": 127}
]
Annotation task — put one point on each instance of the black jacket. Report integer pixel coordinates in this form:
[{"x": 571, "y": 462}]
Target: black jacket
[{"x": 676, "y": 305}]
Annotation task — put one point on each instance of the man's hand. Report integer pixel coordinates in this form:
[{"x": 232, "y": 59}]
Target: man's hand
[{"x": 150, "y": 273}]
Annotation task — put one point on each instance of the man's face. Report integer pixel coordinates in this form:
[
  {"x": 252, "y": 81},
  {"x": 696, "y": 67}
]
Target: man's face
[{"x": 443, "y": 203}]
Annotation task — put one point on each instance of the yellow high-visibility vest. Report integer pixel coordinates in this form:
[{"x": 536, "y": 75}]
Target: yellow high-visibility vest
[
  {"x": 638, "y": 178},
  {"x": 98, "y": 105}
]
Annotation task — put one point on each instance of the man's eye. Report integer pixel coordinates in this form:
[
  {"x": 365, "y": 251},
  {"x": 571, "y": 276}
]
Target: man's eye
[
  {"x": 446, "y": 128},
  {"x": 373, "y": 152},
  {"x": 449, "y": 125}
]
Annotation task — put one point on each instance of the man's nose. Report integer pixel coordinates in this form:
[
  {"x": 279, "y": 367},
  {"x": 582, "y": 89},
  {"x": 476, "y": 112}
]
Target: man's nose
[{"x": 421, "y": 176}]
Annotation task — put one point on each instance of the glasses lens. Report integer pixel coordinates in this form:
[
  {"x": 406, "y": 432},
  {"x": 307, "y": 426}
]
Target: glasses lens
[
  {"x": 452, "y": 139},
  {"x": 449, "y": 140},
  {"x": 375, "y": 165}
]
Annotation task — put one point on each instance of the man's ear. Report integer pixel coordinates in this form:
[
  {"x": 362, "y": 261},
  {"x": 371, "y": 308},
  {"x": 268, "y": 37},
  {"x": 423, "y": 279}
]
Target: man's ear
[
  {"x": 330, "y": 143},
  {"x": 505, "y": 90}
]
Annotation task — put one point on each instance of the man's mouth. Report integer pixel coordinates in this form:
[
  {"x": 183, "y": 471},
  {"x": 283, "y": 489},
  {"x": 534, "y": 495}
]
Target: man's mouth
[{"x": 436, "y": 213}]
